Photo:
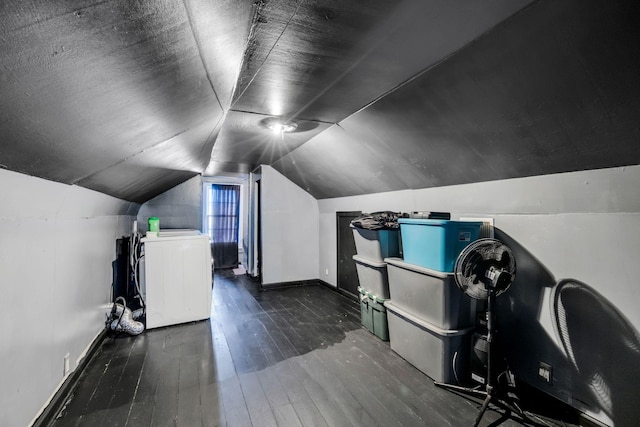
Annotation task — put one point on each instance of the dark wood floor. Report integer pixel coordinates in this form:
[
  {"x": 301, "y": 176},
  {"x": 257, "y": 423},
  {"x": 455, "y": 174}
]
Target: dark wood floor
[{"x": 288, "y": 357}]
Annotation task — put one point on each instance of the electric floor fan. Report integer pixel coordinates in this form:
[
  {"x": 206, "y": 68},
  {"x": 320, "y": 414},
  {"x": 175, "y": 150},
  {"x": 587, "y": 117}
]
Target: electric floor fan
[{"x": 484, "y": 270}]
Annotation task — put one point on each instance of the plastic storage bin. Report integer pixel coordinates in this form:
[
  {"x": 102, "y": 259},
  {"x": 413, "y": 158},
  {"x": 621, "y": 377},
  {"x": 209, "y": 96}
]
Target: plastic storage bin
[
  {"x": 376, "y": 245},
  {"x": 429, "y": 294},
  {"x": 430, "y": 349},
  {"x": 372, "y": 276},
  {"x": 436, "y": 244},
  {"x": 373, "y": 314}
]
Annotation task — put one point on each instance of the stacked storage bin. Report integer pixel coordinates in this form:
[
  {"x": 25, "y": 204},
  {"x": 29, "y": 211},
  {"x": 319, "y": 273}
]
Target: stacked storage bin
[
  {"x": 373, "y": 314},
  {"x": 372, "y": 247},
  {"x": 430, "y": 319}
]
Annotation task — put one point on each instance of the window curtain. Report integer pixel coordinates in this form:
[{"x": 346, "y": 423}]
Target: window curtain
[{"x": 223, "y": 224}]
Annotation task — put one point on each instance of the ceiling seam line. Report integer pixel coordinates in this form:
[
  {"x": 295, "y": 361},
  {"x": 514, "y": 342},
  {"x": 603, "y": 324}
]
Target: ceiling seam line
[
  {"x": 74, "y": 182},
  {"x": 198, "y": 46},
  {"x": 218, "y": 126},
  {"x": 306, "y": 142},
  {"x": 337, "y": 80},
  {"x": 295, "y": 12},
  {"x": 258, "y": 5},
  {"x": 444, "y": 59},
  {"x": 262, "y": 114}
]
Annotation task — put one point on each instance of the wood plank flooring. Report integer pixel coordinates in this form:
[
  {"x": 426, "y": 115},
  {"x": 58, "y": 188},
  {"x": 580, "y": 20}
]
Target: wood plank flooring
[{"x": 288, "y": 357}]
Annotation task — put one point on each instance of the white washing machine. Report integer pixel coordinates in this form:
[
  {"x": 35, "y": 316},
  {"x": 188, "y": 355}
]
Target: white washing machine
[{"x": 176, "y": 278}]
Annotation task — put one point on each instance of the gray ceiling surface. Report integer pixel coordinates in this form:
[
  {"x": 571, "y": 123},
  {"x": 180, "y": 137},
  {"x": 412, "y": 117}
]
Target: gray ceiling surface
[{"x": 133, "y": 98}]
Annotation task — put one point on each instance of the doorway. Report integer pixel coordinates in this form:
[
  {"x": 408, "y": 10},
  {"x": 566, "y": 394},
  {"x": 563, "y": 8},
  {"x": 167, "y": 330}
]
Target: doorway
[
  {"x": 258, "y": 258},
  {"x": 223, "y": 223},
  {"x": 254, "y": 245},
  {"x": 347, "y": 273}
]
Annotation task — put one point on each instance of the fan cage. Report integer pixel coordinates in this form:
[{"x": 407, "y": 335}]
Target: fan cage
[{"x": 476, "y": 260}]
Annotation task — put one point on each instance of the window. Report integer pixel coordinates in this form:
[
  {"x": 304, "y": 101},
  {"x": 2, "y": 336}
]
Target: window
[{"x": 223, "y": 212}]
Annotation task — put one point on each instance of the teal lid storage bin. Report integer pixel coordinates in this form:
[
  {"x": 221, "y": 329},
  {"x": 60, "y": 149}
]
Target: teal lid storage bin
[{"x": 436, "y": 244}]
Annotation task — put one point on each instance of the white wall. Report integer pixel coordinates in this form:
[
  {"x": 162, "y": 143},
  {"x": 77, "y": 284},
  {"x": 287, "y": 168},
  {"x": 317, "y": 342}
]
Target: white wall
[
  {"x": 583, "y": 226},
  {"x": 290, "y": 248},
  {"x": 179, "y": 207},
  {"x": 56, "y": 248}
]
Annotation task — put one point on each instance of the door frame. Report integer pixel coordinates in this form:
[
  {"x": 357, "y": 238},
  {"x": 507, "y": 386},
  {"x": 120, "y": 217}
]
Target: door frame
[{"x": 339, "y": 214}]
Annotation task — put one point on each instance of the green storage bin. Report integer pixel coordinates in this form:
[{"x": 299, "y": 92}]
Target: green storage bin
[
  {"x": 366, "y": 312},
  {"x": 373, "y": 314}
]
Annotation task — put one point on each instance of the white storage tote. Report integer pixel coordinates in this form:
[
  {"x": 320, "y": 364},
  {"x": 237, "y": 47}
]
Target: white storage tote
[
  {"x": 372, "y": 276},
  {"x": 376, "y": 245},
  {"x": 442, "y": 354},
  {"x": 429, "y": 294}
]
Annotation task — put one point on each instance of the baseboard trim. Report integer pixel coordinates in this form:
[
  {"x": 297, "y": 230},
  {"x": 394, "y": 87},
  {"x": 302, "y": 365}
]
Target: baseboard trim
[
  {"x": 311, "y": 282},
  {"x": 293, "y": 284},
  {"x": 564, "y": 411},
  {"x": 57, "y": 401},
  {"x": 338, "y": 290}
]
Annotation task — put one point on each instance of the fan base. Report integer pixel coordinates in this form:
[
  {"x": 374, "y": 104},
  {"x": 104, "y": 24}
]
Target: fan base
[{"x": 508, "y": 404}]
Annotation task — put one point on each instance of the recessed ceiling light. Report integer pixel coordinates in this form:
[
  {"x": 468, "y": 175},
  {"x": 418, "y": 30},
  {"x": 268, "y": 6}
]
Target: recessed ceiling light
[{"x": 278, "y": 126}]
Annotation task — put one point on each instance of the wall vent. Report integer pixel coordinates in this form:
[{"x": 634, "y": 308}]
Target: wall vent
[{"x": 486, "y": 229}]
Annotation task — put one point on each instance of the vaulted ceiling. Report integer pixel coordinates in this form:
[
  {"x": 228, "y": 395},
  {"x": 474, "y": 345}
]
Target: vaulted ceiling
[{"x": 131, "y": 98}]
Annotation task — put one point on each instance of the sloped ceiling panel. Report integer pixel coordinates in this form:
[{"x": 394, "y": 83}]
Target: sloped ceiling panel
[
  {"x": 221, "y": 31},
  {"x": 298, "y": 48},
  {"x": 339, "y": 163},
  {"x": 553, "y": 89},
  {"x": 320, "y": 61},
  {"x": 86, "y": 86},
  {"x": 157, "y": 169},
  {"x": 244, "y": 140},
  {"x": 405, "y": 94},
  {"x": 324, "y": 60}
]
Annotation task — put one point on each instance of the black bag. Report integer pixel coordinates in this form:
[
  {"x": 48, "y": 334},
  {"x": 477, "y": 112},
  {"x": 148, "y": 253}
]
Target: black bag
[{"x": 385, "y": 220}]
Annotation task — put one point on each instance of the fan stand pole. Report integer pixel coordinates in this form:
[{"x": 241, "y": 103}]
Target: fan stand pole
[
  {"x": 490, "y": 333},
  {"x": 488, "y": 393}
]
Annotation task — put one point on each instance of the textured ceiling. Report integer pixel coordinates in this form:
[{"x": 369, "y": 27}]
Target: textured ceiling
[
  {"x": 553, "y": 89},
  {"x": 133, "y": 98},
  {"x": 117, "y": 96}
]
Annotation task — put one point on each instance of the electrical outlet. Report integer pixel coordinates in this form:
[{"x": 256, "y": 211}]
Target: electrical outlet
[
  {"x": 326, "y": 271},
  {"x": 545, "y": 372},
  {"x": 67, "y": 367}
]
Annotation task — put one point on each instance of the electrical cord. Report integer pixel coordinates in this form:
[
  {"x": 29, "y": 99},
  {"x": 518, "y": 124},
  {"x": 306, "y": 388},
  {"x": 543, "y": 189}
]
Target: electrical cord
[
  {"x": 514, "y": 400},
  {"x": 454, "y": 370},
  {"x": 453, "y": 365},
  {"x": 137, "y": 284},
  {"x": 122, "y": 319},
  {"x": 113, "y": 310},
  {"x": 135, "y": 255}
]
